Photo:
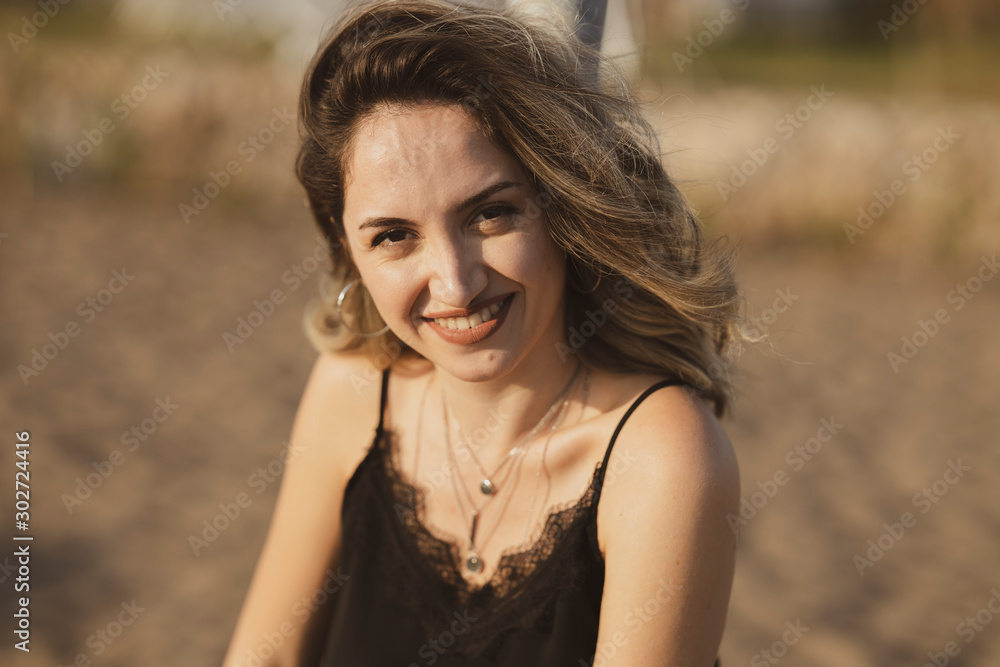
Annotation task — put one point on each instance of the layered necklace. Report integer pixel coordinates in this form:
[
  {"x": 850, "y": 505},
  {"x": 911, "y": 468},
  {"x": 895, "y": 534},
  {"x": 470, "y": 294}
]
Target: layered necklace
[{"x": 488, "y": 485}]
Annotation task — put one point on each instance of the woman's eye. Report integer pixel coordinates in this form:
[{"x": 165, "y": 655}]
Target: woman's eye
[
  {"x": 394, "y": 236},
  {"x": 498, "y": 210}
]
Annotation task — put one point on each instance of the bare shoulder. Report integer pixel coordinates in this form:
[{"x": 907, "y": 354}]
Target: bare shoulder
[
  {"x": 673, "y": 479},
  {"x": 672, "y": 449},
  {"x": 339, "y": 408}
]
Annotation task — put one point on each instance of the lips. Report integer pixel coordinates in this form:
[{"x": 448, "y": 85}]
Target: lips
[
  {"x": 467, "y": 312},
  {"x": 474, "y": 328},
  {"x": 474, "y": 320}
]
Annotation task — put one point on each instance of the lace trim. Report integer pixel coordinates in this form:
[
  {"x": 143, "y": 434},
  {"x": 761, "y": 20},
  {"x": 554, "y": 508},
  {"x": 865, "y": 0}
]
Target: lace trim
[{"x": 522, "y": 590}]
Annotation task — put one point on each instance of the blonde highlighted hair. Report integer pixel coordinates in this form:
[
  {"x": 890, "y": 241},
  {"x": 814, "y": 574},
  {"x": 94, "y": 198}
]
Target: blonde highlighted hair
[{"x": 646, "y": 292}]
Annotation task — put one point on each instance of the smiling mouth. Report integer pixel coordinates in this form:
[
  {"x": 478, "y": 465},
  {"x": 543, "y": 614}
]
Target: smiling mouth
[{"x": 487, "y": 314}]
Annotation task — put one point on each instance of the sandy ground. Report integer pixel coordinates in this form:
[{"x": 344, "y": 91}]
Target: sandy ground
[{"x": 161, "y": 339}]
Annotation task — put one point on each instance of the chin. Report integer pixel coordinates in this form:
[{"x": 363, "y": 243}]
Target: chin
[{"x": 476, "y": 366}]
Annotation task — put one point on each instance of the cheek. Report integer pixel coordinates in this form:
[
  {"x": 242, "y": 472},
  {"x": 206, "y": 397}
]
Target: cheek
[
  {"x": 398, "y": 291},
  {"x": 547, "y": 260},
  {"x": 389, "y": 288},
  {"x": 534, "y": 261}
]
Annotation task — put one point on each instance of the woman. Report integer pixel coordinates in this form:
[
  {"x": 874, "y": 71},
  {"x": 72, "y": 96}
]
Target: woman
[{"x": 508, "y": 451}]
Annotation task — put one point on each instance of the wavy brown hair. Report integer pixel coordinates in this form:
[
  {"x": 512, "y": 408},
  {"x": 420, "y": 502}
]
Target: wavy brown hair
[{"x": 645, "y": 291}]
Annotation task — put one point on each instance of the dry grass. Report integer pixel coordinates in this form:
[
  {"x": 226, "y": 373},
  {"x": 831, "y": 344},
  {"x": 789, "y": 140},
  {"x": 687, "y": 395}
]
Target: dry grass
[{"x": 807, "y": 192}]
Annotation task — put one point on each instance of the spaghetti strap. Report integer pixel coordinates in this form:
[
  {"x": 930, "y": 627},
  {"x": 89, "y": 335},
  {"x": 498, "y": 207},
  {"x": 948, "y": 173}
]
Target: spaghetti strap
[
  {"x": 381, "y": 407},
  {"x": 621, "y": 423}
]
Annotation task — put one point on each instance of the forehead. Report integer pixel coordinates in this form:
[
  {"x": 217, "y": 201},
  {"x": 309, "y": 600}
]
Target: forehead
[{"x": 420, "y": 157}]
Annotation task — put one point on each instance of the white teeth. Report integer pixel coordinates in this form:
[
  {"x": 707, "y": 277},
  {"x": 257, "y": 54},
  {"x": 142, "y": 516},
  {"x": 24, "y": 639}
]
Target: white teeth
[{"x": 474, "y": 320}]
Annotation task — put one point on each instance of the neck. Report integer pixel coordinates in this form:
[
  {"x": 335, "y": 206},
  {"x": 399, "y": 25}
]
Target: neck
[{"x": 496, "y": 415}]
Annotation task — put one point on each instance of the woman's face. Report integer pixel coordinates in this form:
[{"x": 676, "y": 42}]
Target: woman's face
[{"x": 438, "y": 219}]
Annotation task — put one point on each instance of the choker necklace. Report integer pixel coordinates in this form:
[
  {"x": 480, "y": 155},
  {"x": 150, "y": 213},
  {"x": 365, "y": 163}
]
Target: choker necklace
[{"x": 473, "y": 562}]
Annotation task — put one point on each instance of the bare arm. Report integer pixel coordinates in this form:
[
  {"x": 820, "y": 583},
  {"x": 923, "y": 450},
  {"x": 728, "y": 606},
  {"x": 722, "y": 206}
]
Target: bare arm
[
  {"x": 670, "y": 553},
  {"x": 301, "y": 552}
]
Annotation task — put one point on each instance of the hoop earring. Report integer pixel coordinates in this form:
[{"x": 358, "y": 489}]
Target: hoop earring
[{"x": 340, "y": 313}]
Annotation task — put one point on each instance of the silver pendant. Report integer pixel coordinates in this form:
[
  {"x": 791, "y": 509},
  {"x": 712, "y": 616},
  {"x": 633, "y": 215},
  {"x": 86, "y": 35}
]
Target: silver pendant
[
  {"x": 486, "y": 486},
  {"x": 473, "y": 563}
]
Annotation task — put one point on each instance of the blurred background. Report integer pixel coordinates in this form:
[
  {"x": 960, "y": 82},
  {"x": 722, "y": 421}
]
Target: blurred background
[{"x": 148, "y": 207}]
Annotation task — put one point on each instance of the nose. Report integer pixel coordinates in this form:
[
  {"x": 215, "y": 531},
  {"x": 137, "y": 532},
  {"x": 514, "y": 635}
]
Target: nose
[{"x": 456, "y": 274}]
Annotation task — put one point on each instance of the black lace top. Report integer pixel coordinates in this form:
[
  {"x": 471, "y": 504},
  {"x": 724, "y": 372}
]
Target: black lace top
[{"x": 406, "y": 604}]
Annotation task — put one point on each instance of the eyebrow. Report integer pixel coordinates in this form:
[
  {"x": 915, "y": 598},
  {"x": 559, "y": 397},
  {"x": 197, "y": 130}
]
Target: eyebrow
[{"x": 388, "y": 221}]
